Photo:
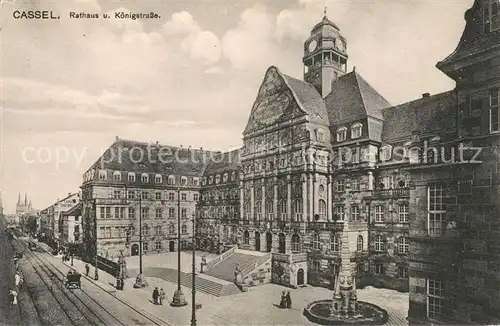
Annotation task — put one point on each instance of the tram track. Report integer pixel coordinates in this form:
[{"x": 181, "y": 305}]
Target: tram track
[{"x": 93, "y": 311}]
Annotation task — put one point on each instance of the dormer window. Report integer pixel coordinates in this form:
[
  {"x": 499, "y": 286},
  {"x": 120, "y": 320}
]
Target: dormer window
[
  {"x": 171, "y": 180},
  {"x": 225, "y": 177},
  {"x": 144, "y": 177},
  {"x": 131, "y": 177},
  {"x": 385, "y": 153},
  {"x": 233, "y": 176},
  {"x": 117, "y": 176},
  {"x": 341, "y": 134},
  {"x": 210, "y": 180},
  {"x": 196, "y": 181},
  {"x": 158, "y": 178},
  {"x": 217, "y": 179},
  {"x": 102, "y": 175},
  {"x": 320, "y": 135},
  {"x": 184, "y": 181},
  {"x": 356, "y": 130}
]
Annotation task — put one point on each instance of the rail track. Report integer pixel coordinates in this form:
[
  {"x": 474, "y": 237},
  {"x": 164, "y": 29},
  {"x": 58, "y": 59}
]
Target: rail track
[{"x": 78, "y": 304}]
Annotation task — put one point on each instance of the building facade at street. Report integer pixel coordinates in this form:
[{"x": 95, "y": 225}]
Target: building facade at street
[
  {"x": 328, "y": 149},
  {"x": 72, "y": 225},
  {"x": 52, "y": 222}
]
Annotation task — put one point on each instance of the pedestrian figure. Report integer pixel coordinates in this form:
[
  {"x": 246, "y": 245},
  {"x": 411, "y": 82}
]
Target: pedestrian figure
[
  {"x": 17, "y": 278},
  {"x": 283, "y": 300},
  {"x": 162, "y": 296},
  {"x": 87, "y": 269},
  {"x": 288, "y": 300},
  {"x": 155, "y": 296},
  {"x": 13, "y": 298}
]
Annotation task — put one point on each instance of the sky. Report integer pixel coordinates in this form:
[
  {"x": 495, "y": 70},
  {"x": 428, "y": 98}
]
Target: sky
[{"x": 70, "y": 86}]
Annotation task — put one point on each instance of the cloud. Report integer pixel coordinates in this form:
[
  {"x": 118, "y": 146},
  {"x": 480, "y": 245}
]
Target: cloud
[{"x": 199, "y": 44}]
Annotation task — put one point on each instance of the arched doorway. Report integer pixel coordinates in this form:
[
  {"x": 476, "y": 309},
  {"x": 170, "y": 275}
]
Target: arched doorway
[
  {"x": 171, "y": 246},
  {"x": 300, "y": 277},
  {"x": 282, "y": 243},
  {"x": 135, "y": 249},
  {"x": 257, "y": 241},
  {"x": 269, "y": 241}
]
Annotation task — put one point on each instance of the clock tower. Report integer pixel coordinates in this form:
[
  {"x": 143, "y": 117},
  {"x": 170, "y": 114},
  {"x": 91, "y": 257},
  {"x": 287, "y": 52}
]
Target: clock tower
[{"x": 325, "y": 56}]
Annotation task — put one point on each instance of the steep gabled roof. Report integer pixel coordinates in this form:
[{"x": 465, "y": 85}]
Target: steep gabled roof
[
  {"x": 74, "y": 211},
  {"x": 129, "y": 155},
  {"x": 229, "y": 161},
  {"x": 474, "y": 40},
  {"x": 353, "y": 97},
  {"x": 308, "y": 98},
  {"x": 433, "y": 114}
]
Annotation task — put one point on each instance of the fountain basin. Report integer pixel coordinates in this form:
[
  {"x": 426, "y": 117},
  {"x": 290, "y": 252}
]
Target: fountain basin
[{"x": 369, "y": 314}]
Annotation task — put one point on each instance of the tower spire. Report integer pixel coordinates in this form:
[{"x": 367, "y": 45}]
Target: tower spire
[
  {"x": 324, "y": 11},
  {"x": 19, "y": 199},
  {"x": 25, "y": 199}
]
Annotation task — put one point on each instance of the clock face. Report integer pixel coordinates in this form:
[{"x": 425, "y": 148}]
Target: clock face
[
  {"x": 312, "y": 45},
  {"x": 339, "y": 44}
]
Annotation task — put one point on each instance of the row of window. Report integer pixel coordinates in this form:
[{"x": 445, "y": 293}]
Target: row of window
[
  {"x": 356, "y": 132},
  {"x": 130, "y": 213},
  {"x": 146, "y": 178},
  {"x": 403, "y": 213},
  {"x": 158, "y": 245},
  {"x": 158, "y": 195},
  {"x": 121, "y": 231},
  {"x": 218, "y": 178}
]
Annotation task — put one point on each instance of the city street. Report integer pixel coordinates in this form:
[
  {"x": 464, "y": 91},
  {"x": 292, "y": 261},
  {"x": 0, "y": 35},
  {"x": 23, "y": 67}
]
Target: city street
[{"x": 8, "y": 316}]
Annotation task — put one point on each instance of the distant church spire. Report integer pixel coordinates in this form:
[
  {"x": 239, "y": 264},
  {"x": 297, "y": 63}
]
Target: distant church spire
[
  {"x": 324, "y": 11},
  {"x": 30, "y": 206},
  {"x": 19, "y": 199},
  {"x": 25, "y": 199}
]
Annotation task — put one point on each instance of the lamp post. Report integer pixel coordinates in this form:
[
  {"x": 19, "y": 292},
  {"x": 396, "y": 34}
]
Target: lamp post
[
  {"x": 193, "y": 293},
  {"x": 178, "y": 299},
  {"x": 140, "y": 280},
  {"x": 96, "y": 273}
]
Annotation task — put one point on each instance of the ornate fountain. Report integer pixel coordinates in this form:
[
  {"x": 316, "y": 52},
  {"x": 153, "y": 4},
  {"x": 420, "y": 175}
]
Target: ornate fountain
[{"x": 344, "y": 307}]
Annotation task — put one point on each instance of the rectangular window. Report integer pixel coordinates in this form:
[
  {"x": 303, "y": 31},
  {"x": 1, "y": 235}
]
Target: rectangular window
[
  {"x": 131, "y": 194},
  {"x": 340, "y": 211},
  {"x": 158, "y": 195},
  {"x": 108, "y": 212},
  {"x": 159, "y": 213},
  {"x": 131, "y": 213},
  {"x": 117, "y": 194},
  {"x": 436, "y": 209},
  {"x": 157, "y": 245},
  {"x": 494, "y": 111},
  {"x": 379, "y": 269},
  {"x": 102, "y": 212},
  {"x": 108, "y": 232},
  {"x": 355, "y": 185},
  {"x": 195, "y": 197},
  {"x": 435, "y": 299},
  {"x": 339, "y": 186},
  {"x": 145, "y": 246},
  {"x": 183, "y": 196},
  {"x": 355, "y": 212},
  {"x": 403, "y": 213},
  {"x": 183, "y": 213},
  {"x": 171, "y": 212},
  {"x": 145, "y": 212},
  {"x": 379, "y": 213},
  {"x": 494, "y": 15},
  {"x": 102, "y": 232},
  {"x": 144, "y": 195},
  {"x": 171, "y": 196},
  {"x": 403, "y": 272}
]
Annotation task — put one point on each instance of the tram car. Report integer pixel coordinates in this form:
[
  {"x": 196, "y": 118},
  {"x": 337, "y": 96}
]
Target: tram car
[
  {"x": 32, "y": 246},
  {"x": 73, "y": 280}
]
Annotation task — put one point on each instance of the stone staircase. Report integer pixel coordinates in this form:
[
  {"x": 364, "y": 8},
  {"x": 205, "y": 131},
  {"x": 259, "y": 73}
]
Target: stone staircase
[
  {"x": 202, "y": 285},
  {"x": 225, "y": 269}
]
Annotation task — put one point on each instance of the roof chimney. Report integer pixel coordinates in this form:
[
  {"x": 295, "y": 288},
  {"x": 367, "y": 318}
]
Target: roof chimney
[
  {"x": 157, "y": 143},
  {"x": 426, "y": 95}
]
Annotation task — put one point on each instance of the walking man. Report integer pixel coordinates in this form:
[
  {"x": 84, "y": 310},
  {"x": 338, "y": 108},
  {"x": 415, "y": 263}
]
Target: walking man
[
  {"x": 288, "y": 300},
  {"x": 162, "y": 296},
  {"x": 13, "y": 298},
  {"x": 155, "y": 295},
  {"x": 87, "y": 269}
]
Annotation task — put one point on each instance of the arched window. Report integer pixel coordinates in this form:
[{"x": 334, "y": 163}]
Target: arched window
[
  {"x": 379, "y": 243},
  {"x": 322, "y": 209},
  {"x": 144, "y": 177},
  {"x": 117, "y": 176},
  {"x": 184, "y": 229},
  {"x": 131, "y": 177},
  {"x": 270, "y": 209},
  {"x": 356, "y": 130},
  {"x": 171, "y": 180},
  {"x": 316, "y": 241},
  {"x": 341, "y": 134},
  {"x": 248, "y": 210},
  {"x": 297, "y": 209},
  {"x": 360, "y": 243},
  {"x": 334, "y": 243},
  {"x": 295, "y": 243},
  {"x": 258, "y": 210},
  {"x": 246, "y": 237},
  {"x": 102, "y": 175},
  {"x": 171, "y": 229},
  {"x": 403, "y": 245},
  {"x": 145, "y": 230},
  {"x": 158, "y": 178},
  {"x": 283, "y": 213},
  {"x": 282, "y": 243},
  {"x": 385, "y": 153}
]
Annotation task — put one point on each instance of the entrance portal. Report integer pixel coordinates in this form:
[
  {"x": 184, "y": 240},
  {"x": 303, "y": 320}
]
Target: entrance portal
[
  {"x": 135, "y": 249},
  {"x": 269, "y": 241},
  {"x": 257, "y": 241},
  {"x": 300, "y": 277},
  {"x": 171, "y": 246}
]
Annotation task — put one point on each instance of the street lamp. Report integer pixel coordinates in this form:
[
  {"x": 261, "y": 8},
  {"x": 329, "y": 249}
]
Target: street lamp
[
  {"x": 140, "y": 280},
  {"x": 178, "y": 299},
  {"x": 193, "y": 283},
  {"x": 96, "y": 273}
]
